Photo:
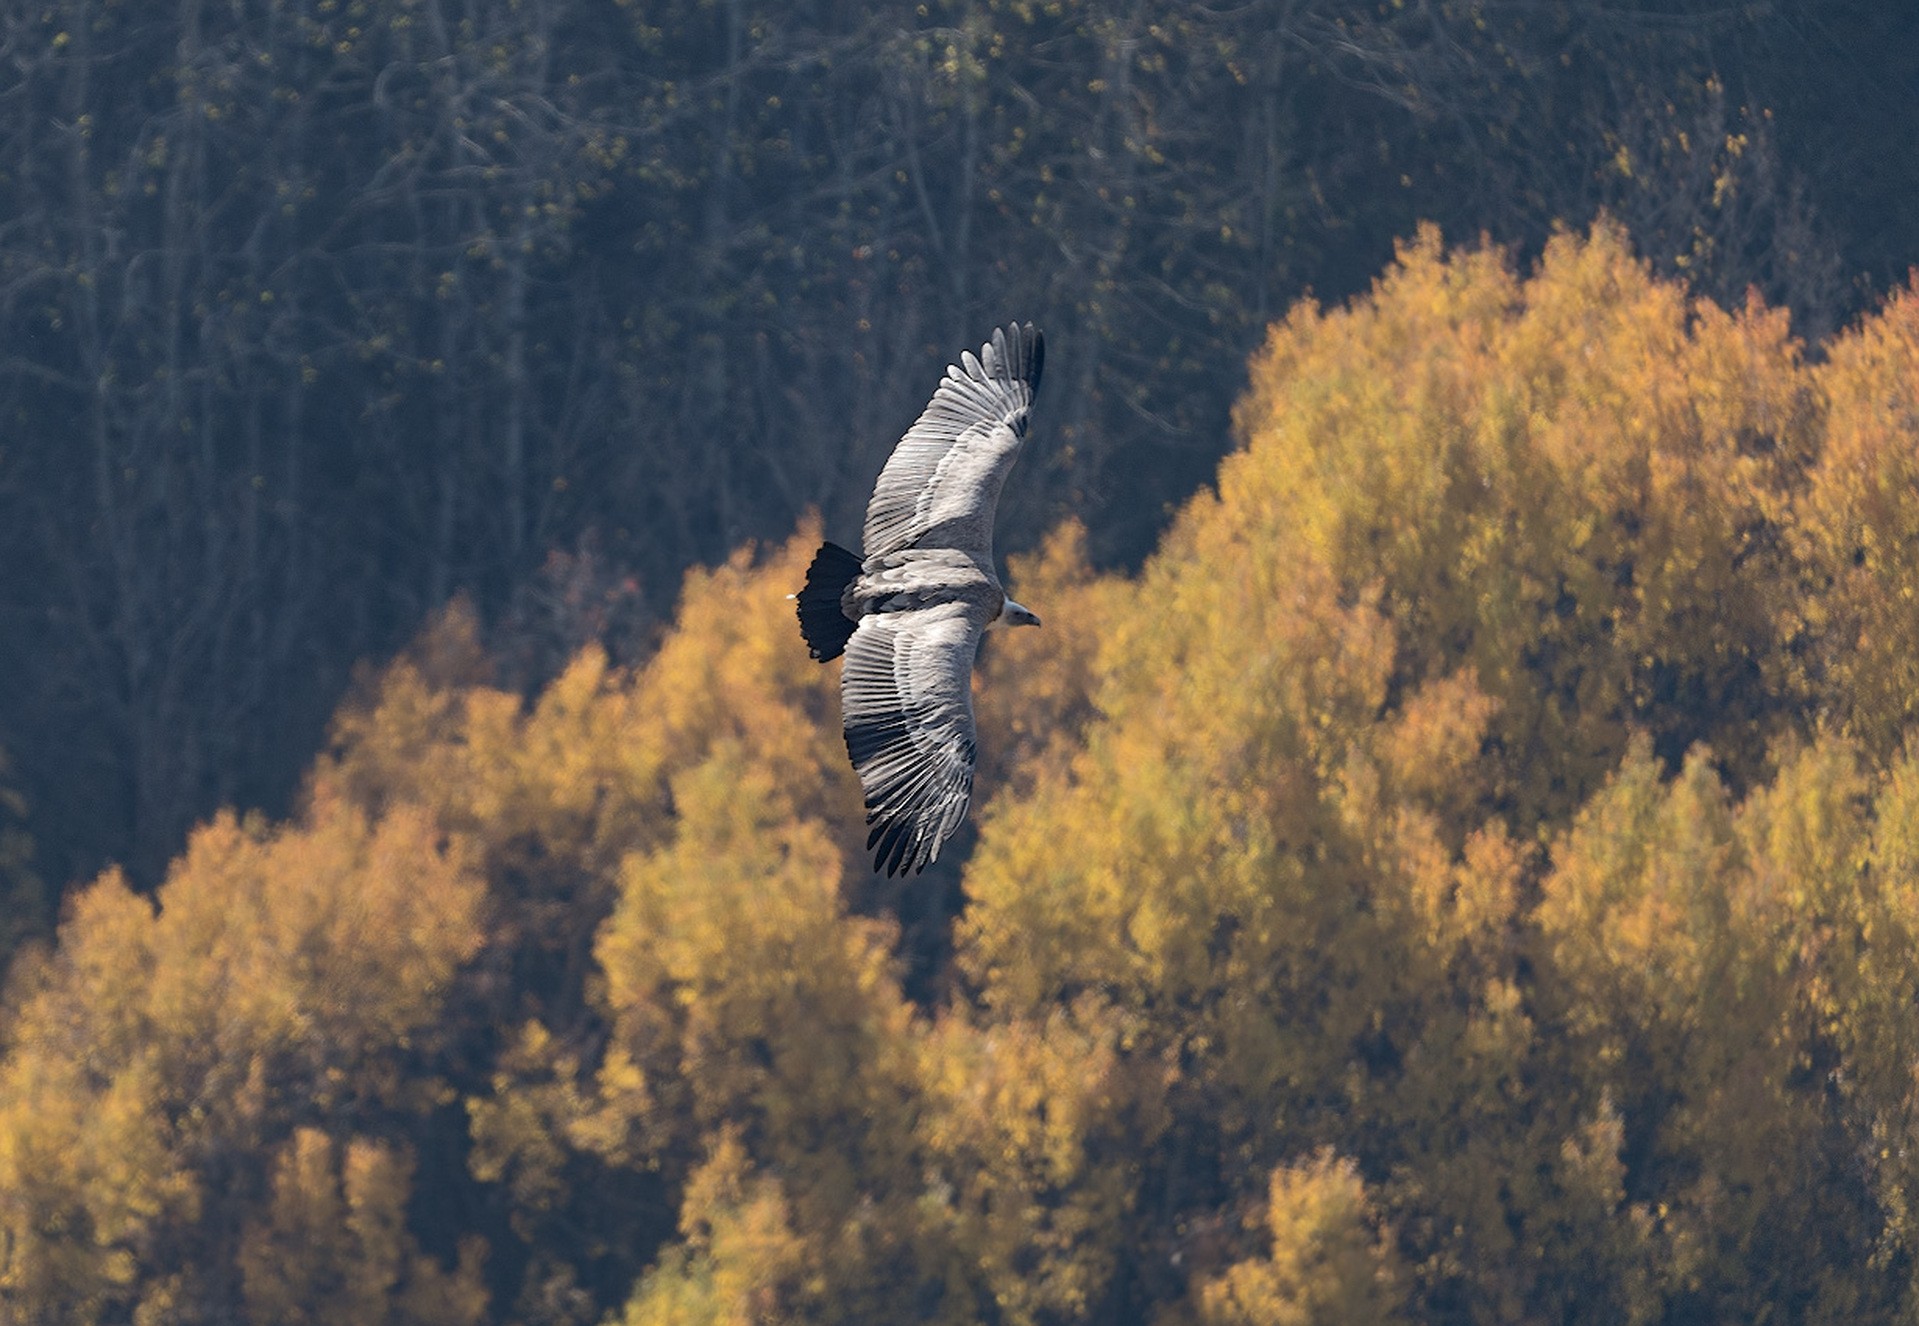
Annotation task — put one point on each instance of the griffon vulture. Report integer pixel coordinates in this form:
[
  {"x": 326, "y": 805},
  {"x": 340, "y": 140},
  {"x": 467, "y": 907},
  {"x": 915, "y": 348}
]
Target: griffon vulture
[{"x": 910, "y": 614}]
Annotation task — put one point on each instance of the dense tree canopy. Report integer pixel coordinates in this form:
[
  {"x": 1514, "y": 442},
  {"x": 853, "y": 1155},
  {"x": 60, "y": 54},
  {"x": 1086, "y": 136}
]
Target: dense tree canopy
[
  {"x": 319, "y": 312},
  {"x": 1470, "y": 873}
]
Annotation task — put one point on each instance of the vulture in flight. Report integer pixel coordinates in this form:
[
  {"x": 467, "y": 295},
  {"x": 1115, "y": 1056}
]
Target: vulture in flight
[{"x": 910, "y": 613}]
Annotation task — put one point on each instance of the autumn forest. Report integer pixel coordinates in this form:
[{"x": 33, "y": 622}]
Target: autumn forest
[{"x": 1450, "y": 856}]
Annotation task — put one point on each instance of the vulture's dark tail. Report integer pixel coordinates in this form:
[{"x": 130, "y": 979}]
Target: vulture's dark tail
[{"x": 823, "y": 622}]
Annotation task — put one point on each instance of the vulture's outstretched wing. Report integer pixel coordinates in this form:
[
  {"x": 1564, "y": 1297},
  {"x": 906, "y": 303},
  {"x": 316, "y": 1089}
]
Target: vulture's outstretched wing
[
  {"x": 906, "y": 693},
  {"x": 941, "y": 485}
]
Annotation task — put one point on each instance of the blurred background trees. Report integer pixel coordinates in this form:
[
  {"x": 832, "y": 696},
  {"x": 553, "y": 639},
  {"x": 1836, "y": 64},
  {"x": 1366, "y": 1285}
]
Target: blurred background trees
[
  {"x": 320, "y": 313},
  {"x": 1467, "y": 874},
  {"x": 1449, "y": 857}
]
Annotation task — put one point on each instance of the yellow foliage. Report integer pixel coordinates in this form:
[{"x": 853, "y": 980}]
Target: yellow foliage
[
  {"x": 1856, "y": 527},
  {"x": 521, "y": 1128},
  {"x": 1716, "y": 965},
  {"x": 1516, "y": 518},
  {"x": 739, "y": 994},
  {"x": 1636, "y": 909},
  {"x": 737, "y": 985},
  {"x": 1036, "y": 687},
  {"x": 741, "y": 1265},
  {"x": 1329, "y": 1263},
  {"x": 1216, "y": 710},
  {"x": 556, "y": 794},
  {"x": 332, "y": 1249},
  {"x": 325, "y": 944},
  {"x": 1484, "y": 535},
  {"x": 583, "y": 776},
  {"x": 283, "y": 971},
  {"x": 1029, "y": 1129},
  {"x": 1562, "y": 484},
  {"x": 85, "y": 1173},
  {"x": 690, "y": 826},
  {"x": 1500, "y": 792}
]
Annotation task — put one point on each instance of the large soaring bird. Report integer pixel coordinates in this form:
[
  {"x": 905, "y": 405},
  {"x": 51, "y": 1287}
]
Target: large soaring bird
[{"x": 909, "y": 616}]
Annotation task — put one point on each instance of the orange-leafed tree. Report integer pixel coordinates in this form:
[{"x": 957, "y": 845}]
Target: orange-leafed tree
[
  {"x": 1328, "y": 1263},
  {"x": 1469, "y": 873},
  {"x": 162, "y": 1055},
  {"x": 1736, "y": 979},
  {"x": 1569, "y": 483},
  {"x": 1856, "y": 529},
  {"x": 740, "y": 1262},
  {"x": 333, "y": 1247},
  {"x": 1483, "y": 530},
  {"x": 676, "y": 845}
]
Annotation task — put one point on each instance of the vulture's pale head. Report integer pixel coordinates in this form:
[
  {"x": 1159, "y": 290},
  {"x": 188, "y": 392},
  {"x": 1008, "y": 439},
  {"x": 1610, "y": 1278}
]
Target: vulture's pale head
[{"x": 1016, "y": 614}]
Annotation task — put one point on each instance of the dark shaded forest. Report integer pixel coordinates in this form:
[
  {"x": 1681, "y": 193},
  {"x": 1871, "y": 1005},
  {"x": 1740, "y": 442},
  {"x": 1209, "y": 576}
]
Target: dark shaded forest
[
  {"x": 320, "y": 314},
  {"x": 1451, "y": 855}
]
